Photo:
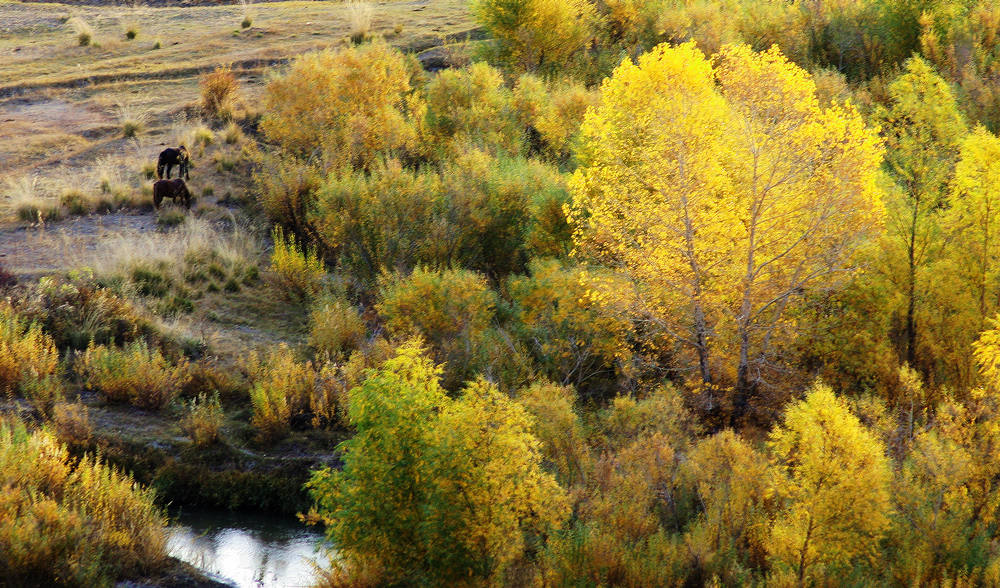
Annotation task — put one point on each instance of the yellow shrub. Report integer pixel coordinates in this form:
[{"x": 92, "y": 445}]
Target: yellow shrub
[
  {"x": 203, "y": 419},
  {"x": 440, "y": 305},
  {"x": 558, "y": 428},
  {"x": 298, "y": 271},
  {"x": 135, "y": 374},
  {"x": 72, "y": 523},
  {"x": 471, "y": 106},
  {"x": 29, "y": 361},
  {"x": 351, "y": 103},
  {"x": 335, "y": 328},
  {"x": 219, "y": 92},
  {"x": 282, "y": 387}
]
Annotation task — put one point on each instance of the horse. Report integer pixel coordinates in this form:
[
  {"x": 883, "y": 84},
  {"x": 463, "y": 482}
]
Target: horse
[
  {"x": 170, "y": 157},
  {"x": 172, "y": 189}
]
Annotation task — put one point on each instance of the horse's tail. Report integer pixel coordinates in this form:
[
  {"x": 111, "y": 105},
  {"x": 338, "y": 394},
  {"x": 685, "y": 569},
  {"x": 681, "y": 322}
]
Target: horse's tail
[{"x": 159, "y": 170}]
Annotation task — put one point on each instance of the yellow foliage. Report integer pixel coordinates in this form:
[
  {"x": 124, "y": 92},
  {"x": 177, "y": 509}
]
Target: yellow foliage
[
  {"x": 723, "y": 191},
  {"x": 29, "y": 361},
  {"x": 351, "y": 103},
  {"x": 576, "y": 338},
  {"x": 559, "y": 429},
  {"x": 733, "y": 482},
  {"x": 335, "y": 328},
  {"x": 470, "y": 107},
  {"x": 68, "y": 522},
  {"x": 298, "y": 271},
  {"x": 438, "y": 305},
  {"x": 203, "y": 419},
  {"x": 835, "y": 489},
  {"x": 282, "y": 387},
  {"x": 136, "y": 374},
  {"x": 219, "y": 92},
  {"x": 537, "y": 33}
]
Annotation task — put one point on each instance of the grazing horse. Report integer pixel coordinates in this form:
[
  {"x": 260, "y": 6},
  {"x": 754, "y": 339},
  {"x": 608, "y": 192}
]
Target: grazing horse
[
  {"x": 172, "y": 189},
  {"x": 170, "y": 157}
]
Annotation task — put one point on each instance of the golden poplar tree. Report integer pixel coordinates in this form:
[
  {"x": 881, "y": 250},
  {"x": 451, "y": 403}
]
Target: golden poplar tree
[
  {"x": 724, "y": 191},
  {"x": 975, "y": 215},
  {"x": 923, "y": 130}
]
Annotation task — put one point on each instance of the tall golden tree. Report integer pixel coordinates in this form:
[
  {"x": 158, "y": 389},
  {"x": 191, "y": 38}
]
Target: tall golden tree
[
  {"x": 724, "y": 191},
  {"x": 923, "y": 130}
]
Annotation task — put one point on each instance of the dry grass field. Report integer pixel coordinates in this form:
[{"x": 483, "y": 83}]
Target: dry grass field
[{"x": 63, "y": 105}]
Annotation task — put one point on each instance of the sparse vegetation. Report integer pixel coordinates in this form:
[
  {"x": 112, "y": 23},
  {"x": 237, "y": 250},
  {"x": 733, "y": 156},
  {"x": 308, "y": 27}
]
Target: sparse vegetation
[
  {"x": 359, "y": 17},
  {"x": 84, "y": 33},
  {"x": 203, "y": 418}
]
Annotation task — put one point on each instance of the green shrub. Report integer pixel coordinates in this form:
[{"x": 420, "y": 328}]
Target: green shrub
[
  {"x": 477, "y": 212},
  {"x": 135, "y": 374},
  {"x": 68, "y": 522}
]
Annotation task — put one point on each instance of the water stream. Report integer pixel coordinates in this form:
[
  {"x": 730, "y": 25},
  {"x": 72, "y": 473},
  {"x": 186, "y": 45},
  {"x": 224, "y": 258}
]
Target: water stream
[{"x": 248, "y": 550}]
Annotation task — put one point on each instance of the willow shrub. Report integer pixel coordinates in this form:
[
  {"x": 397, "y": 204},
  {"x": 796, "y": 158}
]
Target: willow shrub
[{"x": 479, "y": 212}]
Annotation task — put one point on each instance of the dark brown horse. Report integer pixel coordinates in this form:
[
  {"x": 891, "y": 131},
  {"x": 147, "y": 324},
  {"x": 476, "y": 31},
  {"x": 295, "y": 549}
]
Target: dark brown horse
[
  {"x": 172, "y": 189},
  {"x": 169, "y": 158}
]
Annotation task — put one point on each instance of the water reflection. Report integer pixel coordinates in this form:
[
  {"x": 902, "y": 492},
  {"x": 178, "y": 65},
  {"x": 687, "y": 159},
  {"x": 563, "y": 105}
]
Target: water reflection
[{"x": 248, "y": 550}]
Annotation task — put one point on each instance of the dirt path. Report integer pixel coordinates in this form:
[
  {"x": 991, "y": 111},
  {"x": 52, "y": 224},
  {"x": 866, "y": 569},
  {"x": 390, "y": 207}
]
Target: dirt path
[{"x": 33, "y": 251}]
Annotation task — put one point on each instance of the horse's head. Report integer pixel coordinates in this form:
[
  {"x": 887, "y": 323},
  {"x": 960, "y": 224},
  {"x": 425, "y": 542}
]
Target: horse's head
[{"x": 182, "y": 154}]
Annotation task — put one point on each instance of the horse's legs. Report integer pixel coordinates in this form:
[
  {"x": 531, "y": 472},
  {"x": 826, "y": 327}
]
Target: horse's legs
[
  {"x": 159, "y": 170},
  {"x": 169, "y": 167}
]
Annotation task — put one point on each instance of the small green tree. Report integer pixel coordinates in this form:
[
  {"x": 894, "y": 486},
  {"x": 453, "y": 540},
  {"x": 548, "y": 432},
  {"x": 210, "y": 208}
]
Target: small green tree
[{"x": 434, "y": 491}]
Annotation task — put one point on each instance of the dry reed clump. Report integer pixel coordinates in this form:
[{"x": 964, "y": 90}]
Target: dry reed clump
[
  {"x": 359, "y": 19},
  {"x": 132, "y": 116},
  {"x": 68, "y": 522},
  {"x": 136, "y": 374},
  {"x": 219, "y": 93},
  {"x": 232, "y": 251},
  {"x": 82, "y": 29},
  {"x": 248, "y": 14},
  {"x": 203, "y": 419},
  {"x": 26, "y": 199}
]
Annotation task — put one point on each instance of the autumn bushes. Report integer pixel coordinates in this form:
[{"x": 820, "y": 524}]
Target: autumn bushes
[{"x": 71, "y": 522}]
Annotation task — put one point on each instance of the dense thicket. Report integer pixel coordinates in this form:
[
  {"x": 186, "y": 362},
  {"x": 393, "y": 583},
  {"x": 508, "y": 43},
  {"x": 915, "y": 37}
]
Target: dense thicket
[{"x": 717, "y": 275}]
